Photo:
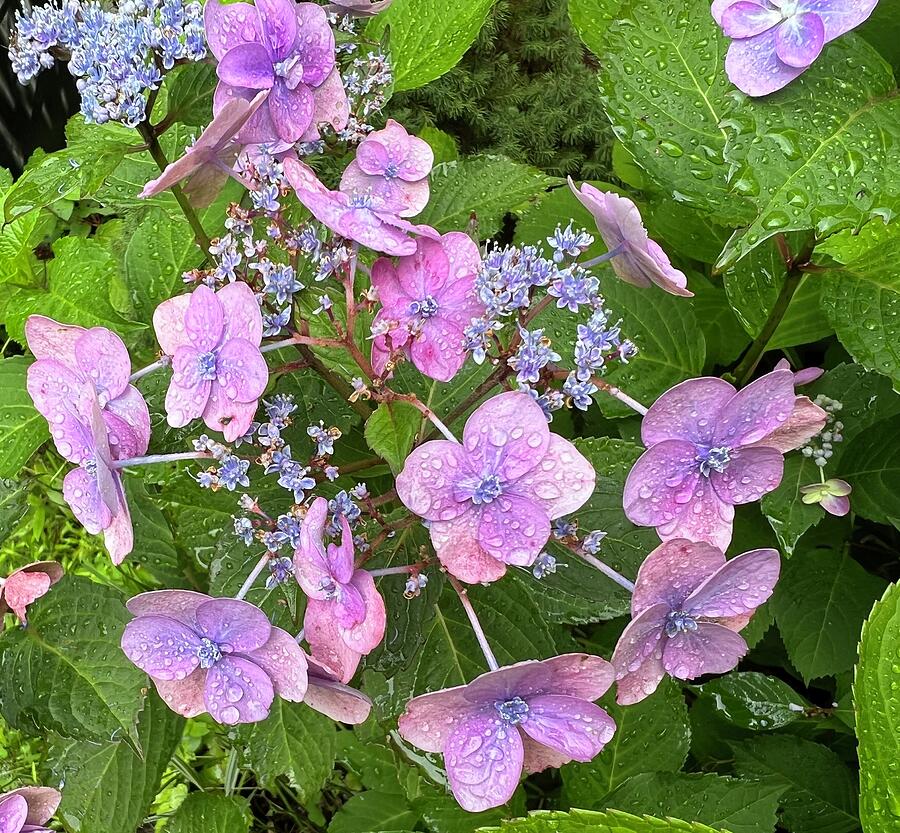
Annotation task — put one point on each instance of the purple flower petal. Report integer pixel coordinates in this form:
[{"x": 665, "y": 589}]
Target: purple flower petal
[
  {"x": 242, "y": 371},
  {"x": 349, "y": 610},
  {"x": 326, "y": 644},
  {"x": 745, "y": 19},
  {"x": 639, "y": 684},
  {"x": 672, "y": 572},
  {"x": 229, "y": 25},
  {"x": 22, "y": 589},
  {"x": 426, "y": 485},
  {"x": 799, "y": 40},
  {"x": 582, "y": 676},
  {"x": 641, "y": 642},
  {"x": 118, "y": 537},
  {"x": 131, "y": 408},
  {"x": 169, "y": 316},
  {"x": 704, "y": 518},
  {"x": 311, "y": 566},
  {"x": 285, "y": 663},
  {"x": 405, "y": 198},
  {"x": 738, "y": 587},
  {"x": 751, "y": 473},
  {"x": 332, "y": 106},
  {"x": 753, "y": 67},
  {"x": 430, "y": 719},
  {"x": 204, "y": 319},
  {"x": 483, "y": 758},
  {"x": 247, "y": 65},
  {"x": 337, "y": 701},
  {"x": 840, "y": 16},
  {"x": 162, "y": 647},
  {"x": 232, "y": 418},
  {"x": 13, "y": 812},
  {"x": 539, "y": 757},
  {"x": 316, "y": 43},
  {"x": 806, "y": 420},
  {"x": 102, "y": 355},
  {"x": 185, "y": 697},
  {"x": 438, "y": 351},
  {"x": 184, "y": 404},
  {"x": 340, "y": 558},
  {"x": 711, "y": 649},
  {"x": 576, "y": 728},
  {"x": 187, "y": 370},
  {"x": 177, "y": 604},
  {"x": 513, "y": 529},
  {"x": 42, "y": 803},
  {"x": 838, "y": 505},
  {"x": 279, "y": 26},
  {"x": 463, "y": 255},
  {"x": 56, "y": 391},
  {"x": 242, "y": 316},
  {"x": 756, "y": 410},
  {"x": 459, "y": 550},
  {"x": 367, "y": 634},
  {"x": 291, "y": 110},
  {"x": 386, "y": 281},
  {"x": 687, "y": 411},
  {"x": 661, "y": 483},
  {"x": 48, "y": 339},
  {"x": 81, "y": 492},
  {"x": 233, "y": 624},
  {"x": 238, "y": 691}
]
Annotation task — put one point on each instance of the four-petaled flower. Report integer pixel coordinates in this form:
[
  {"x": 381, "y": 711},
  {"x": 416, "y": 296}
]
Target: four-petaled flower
[
  {"x": 219, "y": 372},
  {"x": 220, "y": 656},
  {"x": 393, "y": 167},
  {"x": 27, "y": 584},
  {"x": 530, "y": 716},
  {"x": 634, "y": 257},
  {"x": 687, "y": 608},
  {"x": 28, "y": 809},
  {"x": 774, "y": 41},
  {"x": 286, "y": 48},
  {"x": 345, "y": 615},
  {"x": 427, "y": 300},
  {"x": 709, "y": 448},
  {"x": 489, "y": 501},
  {"x": 363, "y": 218},
  {"x": 832, "y": 495}
]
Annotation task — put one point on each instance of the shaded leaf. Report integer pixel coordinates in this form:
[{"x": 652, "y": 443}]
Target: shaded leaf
[
  {"x": 211, "y": 813},
  {"x": 755, "y": 701}
]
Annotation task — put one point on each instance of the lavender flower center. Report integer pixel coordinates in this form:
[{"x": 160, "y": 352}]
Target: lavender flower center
[
  {"x": 714, "y": 459},
  {"x": 209, "y": 653},
  {"x": 329, "y": 588},
  {"x": 392, "y": 170},
  {"x": 206, "y": 366},
  {"x": 283, "y": 68},
  {"x": 425, "y": 308},
  {"x": 90, "y": 466},
  {"x": 677, "y": 621},
  {"x": 512, "y": 711},
  {"x": 487, "y": 490},
  {"x": 360, "y": 201}
]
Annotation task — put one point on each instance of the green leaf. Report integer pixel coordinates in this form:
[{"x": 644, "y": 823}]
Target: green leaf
[
  {"x": 591, "y": 19},
  {"x": 871, "y": 464},
  {"x": 77, "y": 291},
  {"x": 22, "y": 429},
  {"x": 13, "y": 505},
  {"x": 487, "y": 186},
  {"x": 651, "y": 736},
  {"x": 821, "y": 153},
  {"x": 820, "y": 794},
  {"x": 443, "y": 145},
  {"x": 154, "y": 544},
  {"x": 391, "y": 430},
  {"x": 190, "y": 94},
  {"x": 882, "y": 30},
  {"x": 754, "y": 701},
  {"x": 724, "y": 336},
  {"x": 732, "y": 804},
  {"x": 293, "y": 742},
  {"x": 65, "y": 672},
  {"x": 878, "y": 715},
  {"x": 586, "y": 821},
  {"x": 664, "y": 90},
  {"x": 427, "y": 37},
  {"x": 110, "y": 787},
  {"x": 820, "y": 602},
  {"x": 211, "y": 813},
  {"x": 789, "y": 516},
  {"x": 373, "y": 810}
]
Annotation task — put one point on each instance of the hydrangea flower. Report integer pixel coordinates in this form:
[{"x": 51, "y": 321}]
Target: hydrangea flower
[
  {"x": 83, "y": 435},
  {"x": 359, "y": 217},
  {"x": 774, "y": 41},
  {"x": 687, "y": 608},
  {"x": 220, "y": 656},
  {"x": 489, "y": 501},
  {"x": 393, "y": 167},
  {"x": 832, "y": 495},
  {"x": 28, "y": 809},
  {"x": 358, "y": 8},
  {"x": 427, "y": 299},
  {"x": 27, "y": 584},
  {"x": 70, "y": 355},
  {"x": 635, "y": 258},
  {"x": 345, "y": 614},
  {"x": 207, "y": 162},
  {"x": 219, "y": 372},
  {"x": 709, "y": 448},
  {"x": 280, "y": 46},
  {"x": 531, "y": 715},
  {"x": 329, "y": 696}
]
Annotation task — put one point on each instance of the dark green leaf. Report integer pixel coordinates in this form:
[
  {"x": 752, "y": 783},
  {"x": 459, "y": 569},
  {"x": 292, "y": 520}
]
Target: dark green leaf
[
  {"x": 754, "y": 701},
  {"x": 871, "y": 464},
  {"x": 190, "y": 94},
  {"x": 368, "y": 811},
  {"x": 586, "y": 821},
  {"x": 22, "y": 429},
  {"x": 391, "y": 430},
  {"x": 154, "y": 545},
  {"x": 787, "y": 513},
  {"x": 13, "y": 505},
  {"x": 211, "y": 813}
]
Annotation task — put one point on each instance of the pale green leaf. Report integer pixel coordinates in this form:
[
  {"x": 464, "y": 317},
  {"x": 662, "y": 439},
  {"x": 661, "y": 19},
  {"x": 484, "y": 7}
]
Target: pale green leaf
[
  {"x": 211, "y": 813},
  {"x": 22, "y": 429},
  {"x": 586, "y": 821},
  {"x": 391, "y": 430}
]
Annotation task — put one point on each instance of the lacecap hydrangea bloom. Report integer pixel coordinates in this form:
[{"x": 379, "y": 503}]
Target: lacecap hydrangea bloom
[
  {"x": 774, "y": 41},
  {"x": 489, "y": 500},
  {"x": 687, "y": 608},
  {"x": 530, "y": 716},
  {"x": 28, "y": 809},
  {"x": 427, "y": 300},
  {"x": 220, "y": 656},
  {"x": 218, "y": 371},
  {"x": 26, "y": 585},
  {"x": 710, "y": 448}
]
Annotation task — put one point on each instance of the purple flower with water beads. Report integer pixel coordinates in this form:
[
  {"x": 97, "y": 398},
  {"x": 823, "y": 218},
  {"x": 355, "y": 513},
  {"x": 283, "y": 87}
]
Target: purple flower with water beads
[
  {"x": 427, "y": 300},
  {"x": 345, "y": 614},
  {"x": 490, "y": 500},
  {"x": 687, "y": 608},
  {"x": 219, "y": 372},
  {"x": 207, "y": 162},
  {"x": 709, "y": 448},
  {"x": 28, "y": 809},
  {"x": 531, "y": 715},
  {"x": 393, "y": 167},
  {"x": 284, "y": 47},
  {"x": 774, "y": 41},
  {"x": 359, "y": 217},
  {"x": 26, "y": 585},
  {"x": 220, "y": 656},
  {"x": 634, "y": 257}
]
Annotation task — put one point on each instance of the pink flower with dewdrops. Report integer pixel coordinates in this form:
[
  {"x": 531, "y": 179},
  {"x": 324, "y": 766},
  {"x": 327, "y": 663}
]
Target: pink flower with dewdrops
[
  {"x": 362, "y": 218},
  {"x": 528, "y": 716},
  {"x": 427, "y": 301},
  {"x": 219, "y": 372},
  {"x": 489, "y": 501},
  {"x": 26, "y": 585},
  {"x": 28, "y": 809},
  {"x": 393, "y": 167},
  {"x": 634, "y": 257},
  {"x": 710, "y": 448},
  {"x": 345, "y": 614},
  {"x": 220, "y": 656},
  {"x": 687, "y": 608}
]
